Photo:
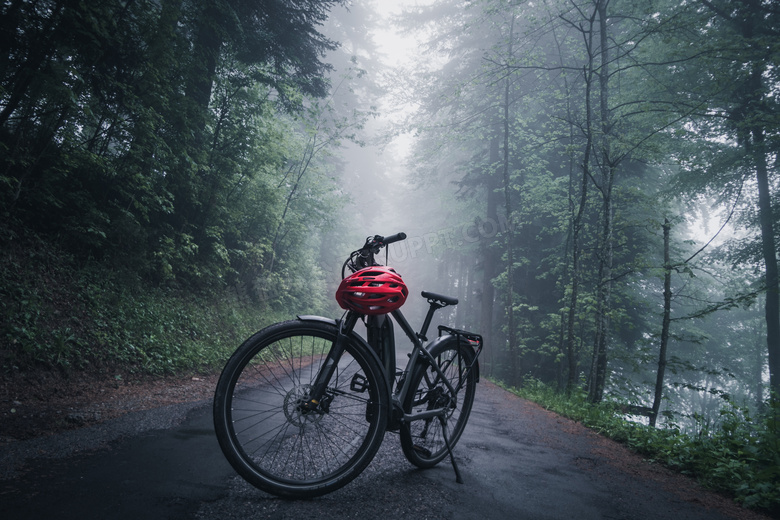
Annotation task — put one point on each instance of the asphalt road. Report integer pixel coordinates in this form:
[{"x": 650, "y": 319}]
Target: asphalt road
[{"x": 517, "y": 461}]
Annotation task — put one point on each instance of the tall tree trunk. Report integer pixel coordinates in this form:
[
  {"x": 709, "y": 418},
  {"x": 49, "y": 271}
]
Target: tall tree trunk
[
  {"x": 748, "y": 17},
  {"x": 576, "y": 229},
  {"x": 659, "y": 380},
  {"x": 154, "y": 87},
  {"x": 772, "y": 307},
  {"x": 205, "y": 56},
  {"x": 510, "y": 305},
  {"x": 599, "y": 363},
  {"x": 577, "y": 219}
]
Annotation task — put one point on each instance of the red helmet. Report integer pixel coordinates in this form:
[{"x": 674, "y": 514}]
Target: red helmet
[{"x": 373, "y": 290}]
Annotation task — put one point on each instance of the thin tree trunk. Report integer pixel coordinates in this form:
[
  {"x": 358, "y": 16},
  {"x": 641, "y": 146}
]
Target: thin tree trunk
[
  {"x": 571, "y": 381},
  {"x": 461, "y": 272},
  {"x": 489, "y": 265},
  {"x": 659, "y": 380},
  {"x": 508, "y": 209}
]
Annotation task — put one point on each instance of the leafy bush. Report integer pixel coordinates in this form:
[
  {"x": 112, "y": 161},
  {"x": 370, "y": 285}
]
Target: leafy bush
[
  {"x": 55, "y": 315},
  {"x": 740, "y": 457},
  {"x": 162, "y": 331}
]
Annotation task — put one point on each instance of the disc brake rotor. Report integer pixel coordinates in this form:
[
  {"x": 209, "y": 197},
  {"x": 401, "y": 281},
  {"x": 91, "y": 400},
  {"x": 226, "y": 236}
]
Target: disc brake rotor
[{"x": 294, "y": 410}]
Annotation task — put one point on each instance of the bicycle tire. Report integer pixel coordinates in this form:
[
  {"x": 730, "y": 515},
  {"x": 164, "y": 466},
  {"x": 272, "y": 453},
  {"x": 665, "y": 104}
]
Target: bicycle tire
[
  {"x": 422, "y": 440},
  {"x": 276, "y": 446}
]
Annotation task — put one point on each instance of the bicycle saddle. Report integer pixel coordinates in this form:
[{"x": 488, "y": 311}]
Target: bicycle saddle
[{"x": 440, "y": 299}]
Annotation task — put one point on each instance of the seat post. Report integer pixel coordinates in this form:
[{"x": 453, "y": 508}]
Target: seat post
[
  {"x": 428, "y": 317},
  {"x": 437, "y": 301}
]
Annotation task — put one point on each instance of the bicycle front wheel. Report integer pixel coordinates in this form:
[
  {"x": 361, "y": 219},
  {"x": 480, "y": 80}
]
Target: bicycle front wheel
[
  {"x": 280, "y": 446},
  {"x": 423, "y": 441}
]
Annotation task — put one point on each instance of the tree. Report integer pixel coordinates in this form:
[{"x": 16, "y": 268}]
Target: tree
[
  {"x": 751, "y": 118},
  {"x": 727, "y": 70},
  {"x": 519, "y": 112}
]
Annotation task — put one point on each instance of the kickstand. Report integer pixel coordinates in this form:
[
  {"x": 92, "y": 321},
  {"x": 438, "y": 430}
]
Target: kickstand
[{"x": 458, "y": 479}]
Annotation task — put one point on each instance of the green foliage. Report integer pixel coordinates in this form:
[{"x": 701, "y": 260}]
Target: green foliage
[
  {"x": 57, "y": 316},
  {"x": 168, "y": 176},
  {"x": 150, "y": 135},
  {"x": 739, "y": 456},
  {"x": 161, "y": 331}
]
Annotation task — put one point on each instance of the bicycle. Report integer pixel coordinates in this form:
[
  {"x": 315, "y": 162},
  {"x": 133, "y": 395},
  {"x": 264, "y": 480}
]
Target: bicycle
[{"x": 302, "y": 406}]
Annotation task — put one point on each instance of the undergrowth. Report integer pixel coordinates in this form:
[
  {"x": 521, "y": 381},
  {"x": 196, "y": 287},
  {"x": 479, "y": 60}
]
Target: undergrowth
[
  {"x": 739, "y": 457},
  {"x": 56, "y": 315}
]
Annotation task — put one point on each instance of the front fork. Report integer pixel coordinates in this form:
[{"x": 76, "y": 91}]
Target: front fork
[{"x": 316, "y": 400}]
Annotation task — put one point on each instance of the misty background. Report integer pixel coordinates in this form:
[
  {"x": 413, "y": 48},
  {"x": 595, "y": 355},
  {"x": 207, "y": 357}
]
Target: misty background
[
  {"x": 434, "y": 155},
  {"x": 594, "y": 180}
]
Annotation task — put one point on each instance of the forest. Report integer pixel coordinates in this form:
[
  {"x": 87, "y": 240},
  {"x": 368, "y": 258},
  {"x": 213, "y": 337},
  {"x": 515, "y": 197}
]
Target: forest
[
  {"x": 617, "y": 158},
  {"x": 595, "y": 180}
]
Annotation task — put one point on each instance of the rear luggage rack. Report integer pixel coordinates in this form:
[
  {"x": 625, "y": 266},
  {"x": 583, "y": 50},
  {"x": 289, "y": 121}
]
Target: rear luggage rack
[{"x": 474, "y": 339}]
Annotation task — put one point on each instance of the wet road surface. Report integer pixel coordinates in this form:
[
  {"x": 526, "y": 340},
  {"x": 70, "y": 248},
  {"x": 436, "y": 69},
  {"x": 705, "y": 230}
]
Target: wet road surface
[{"x": 517, "y": 461}]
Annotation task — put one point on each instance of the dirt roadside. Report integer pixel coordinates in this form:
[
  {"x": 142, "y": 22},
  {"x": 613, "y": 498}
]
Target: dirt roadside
[{"x": 43, "y": 403}]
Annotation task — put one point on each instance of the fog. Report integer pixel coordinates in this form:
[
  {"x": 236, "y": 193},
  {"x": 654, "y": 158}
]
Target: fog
[{"x": 478, "y": 146}]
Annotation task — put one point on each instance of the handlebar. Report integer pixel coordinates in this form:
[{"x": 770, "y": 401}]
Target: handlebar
[
  {"x": 375, "y": 243},
  {"x": 392, "y": 238},
  {"x": 364, "y": 257}
]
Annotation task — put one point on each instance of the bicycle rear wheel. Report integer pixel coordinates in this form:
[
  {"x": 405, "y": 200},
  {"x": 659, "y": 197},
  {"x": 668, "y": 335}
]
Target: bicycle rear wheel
[
  {"x": 277, "y": 445},
  {"x": 423, "y": 440}
]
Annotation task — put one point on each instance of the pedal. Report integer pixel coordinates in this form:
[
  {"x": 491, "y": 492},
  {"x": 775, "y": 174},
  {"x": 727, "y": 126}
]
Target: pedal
[{"x": 358, "y": 384}]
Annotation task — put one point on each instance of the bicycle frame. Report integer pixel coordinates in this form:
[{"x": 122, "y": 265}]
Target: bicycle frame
[
  {"x": 346, "y": 328},
  {"x": 417, "y": 350}
]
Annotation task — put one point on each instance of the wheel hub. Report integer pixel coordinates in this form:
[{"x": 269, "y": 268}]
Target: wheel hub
[
  {"x": 297, "y": 407},
  {"x": 440, "y": 398}
]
